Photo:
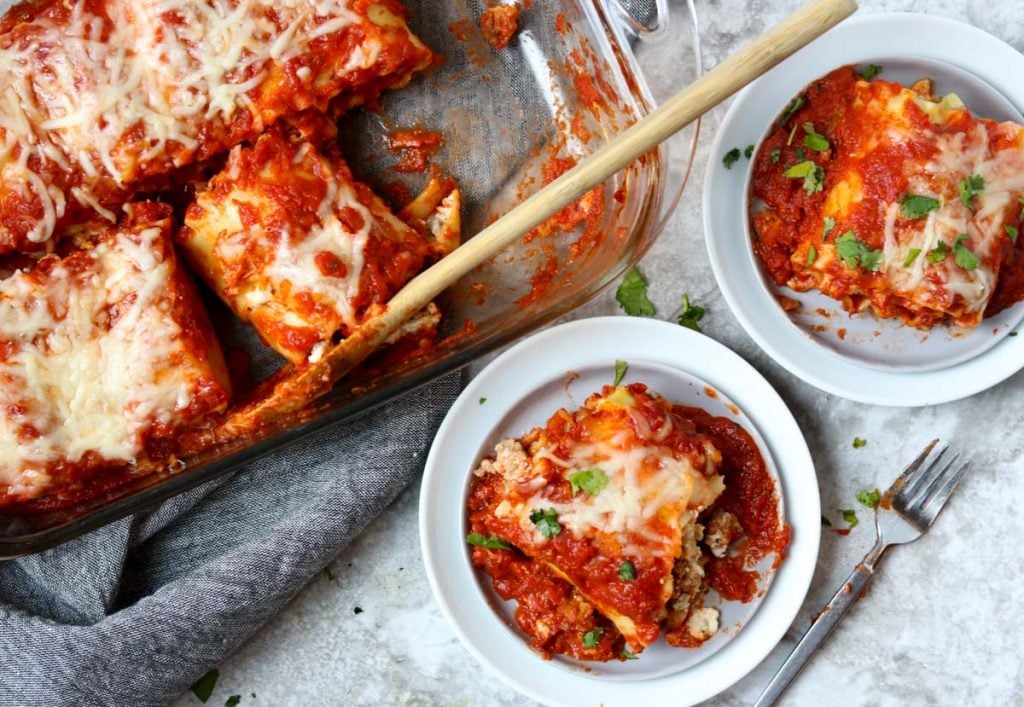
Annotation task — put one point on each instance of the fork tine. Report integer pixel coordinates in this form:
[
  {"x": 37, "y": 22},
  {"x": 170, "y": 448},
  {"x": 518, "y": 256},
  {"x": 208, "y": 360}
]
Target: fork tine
[
  {"x": 908, "y": 473},
  {"x": 925, "y": 477},
  {"x": 936, "y": 475},
  {"x": 936, "y": 501}
]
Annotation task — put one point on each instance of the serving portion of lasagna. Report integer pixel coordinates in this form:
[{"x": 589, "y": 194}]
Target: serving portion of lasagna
[
  {"x": 299, "y": 249},
  {"x": 890, "y": 199},
  {"x": 610, "y": 524},
  {"x": 106, "y": 354},
  {"x": 103, "y": 99}
]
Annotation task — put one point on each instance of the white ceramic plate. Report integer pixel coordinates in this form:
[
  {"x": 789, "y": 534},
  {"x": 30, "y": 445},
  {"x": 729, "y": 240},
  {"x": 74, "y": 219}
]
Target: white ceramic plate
[
  {"x": 522, "y": 388},
  {"x": 899, "y": 366}
]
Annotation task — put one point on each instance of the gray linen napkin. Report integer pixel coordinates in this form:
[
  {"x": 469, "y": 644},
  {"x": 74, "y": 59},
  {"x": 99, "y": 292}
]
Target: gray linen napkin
[{"x": 135, "y": 612}]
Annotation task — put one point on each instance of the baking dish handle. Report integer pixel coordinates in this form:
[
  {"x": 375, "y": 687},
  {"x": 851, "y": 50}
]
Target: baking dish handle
[{"x": 649, "y": 27}]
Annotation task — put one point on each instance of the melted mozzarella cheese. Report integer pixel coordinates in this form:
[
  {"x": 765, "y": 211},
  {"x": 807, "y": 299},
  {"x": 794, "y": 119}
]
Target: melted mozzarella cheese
[
  {"x": 95, "y": 362},
  {"x": 156, "y": 66}
]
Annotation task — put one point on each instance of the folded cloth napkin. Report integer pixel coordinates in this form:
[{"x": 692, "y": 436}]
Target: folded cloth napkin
[{"x": 135, "y": 612}]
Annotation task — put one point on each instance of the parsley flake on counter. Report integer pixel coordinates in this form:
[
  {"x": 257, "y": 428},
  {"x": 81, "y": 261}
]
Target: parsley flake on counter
[
  {"x": 870, "y": 499},
  {"x": 731, "y": 157},
  {"x": 203, "y": 687},
  {"x": 855, "y": 253},
  {"x": 938, "y": 253},
  {"x": 850, "y": 516},
  {"x": 858, "y": 443},
  {"x": 870, "y": 71},
  {"x": 355, "y": 610},
  {"x": 792, "y": 108},
  {"x": 775, "y": 156},
  {"x": 830, "y": 224},
  {"x": 483, "y": 400},
  {"x": 620, "y": 372},
  {"x": 632, "y": 295},
  {"x": 1011, "y": 231},
  {"x": 748, "y": 152},
  {"x": 690, "y": 315},
  {"x": 914, "y": 206},
  {"x": 233, "y": 701},
  {"x": 592, "y": 637},
  {"x": 593, "y": 481},
  {"x": 963, "y": 255},
  {"x": 629, "y": 655},
  {"x": 911, "y": 257},
  {"x": 1012, "y": 333},
  {"x": 812, "y": 174},
  {"x": 970, "y": 188},
  {"x": 488, "y": 543},
  {"x": 812, "y": 255},
  {"x": 546, "y": 522},
  {"x": 627, "y": 572},
  {"x": 815, "y": 140}
]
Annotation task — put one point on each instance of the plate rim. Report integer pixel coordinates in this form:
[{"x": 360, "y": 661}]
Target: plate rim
[
  {"x": 606, "y": 339},
  {"x": 792, "y": 349}
]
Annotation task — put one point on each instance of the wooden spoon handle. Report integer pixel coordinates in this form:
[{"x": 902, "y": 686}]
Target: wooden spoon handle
[{"x": 732, "y": 74}]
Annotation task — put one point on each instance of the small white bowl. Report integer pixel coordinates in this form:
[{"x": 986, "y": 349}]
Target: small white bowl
[
  {"x": 871, "y": 360},
  {"x": 521, "y": 389}
]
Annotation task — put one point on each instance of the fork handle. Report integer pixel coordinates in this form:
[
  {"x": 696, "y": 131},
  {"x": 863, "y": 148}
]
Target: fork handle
[{"x": 822, "y": 627}]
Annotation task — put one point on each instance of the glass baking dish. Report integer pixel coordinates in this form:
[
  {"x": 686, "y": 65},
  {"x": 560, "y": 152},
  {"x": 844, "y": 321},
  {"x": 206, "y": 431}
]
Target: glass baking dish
[{"x": 575, "y": 74}]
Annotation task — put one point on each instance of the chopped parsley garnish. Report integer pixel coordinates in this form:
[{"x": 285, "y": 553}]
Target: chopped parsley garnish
[
  {"x": 815, "y": 140},
  {"x": 748, "y": 152},
  {"x": 483, "y": 400},
  {"x": 855, "y": 254},
  {"x": 1012, "y": 333},
  {"x": 629, "y": 655},
  {"x": 914, "y": 206},
  {"x": 627, "y": 572},
  {"x": 812, "y": 255},
  {"x": 870, "y": 499},
  {"x": 858, "y": 443},
  {"x": 970, "y": 188},
  {"x": 632, "y": 295},
  {"x": 203, "y": 687},
  {"x": 812, "y": 174},
  {"x": 800, "y": 154},
  {"x": 963, "y": 256},
  {"x": 546, "y": 522},
  {"x": 830, "y": 224},
  {"x": 1011, "y": 231},
  {"x": 792, "y": 108},
  {"x": 593, "y": 481},
  {"x": 691, "y": 315},
  {"x": 357, "y": 610},
  {"x": 488, "y": 543},
  {"x": 938, "y": 253},
  {"x": 911, "y": 257},
  {"x": 731, "y": 157},
  {"x": 870, "y": 71},
  {"x": 620, "y": 372},
  {"x": 775, "y": 156},
  {"x": 592, "y": 637},
  {"x": 850, "y": 516},
  {"x": 233, "y": 701}
]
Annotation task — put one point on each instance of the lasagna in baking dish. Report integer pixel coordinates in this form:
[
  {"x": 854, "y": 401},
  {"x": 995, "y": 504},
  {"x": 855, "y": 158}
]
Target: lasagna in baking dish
[
  {"x": 609, "y": 525},
  {"x": 105, "y": 356},
  {"x": 892, "y": 200},
  {"x": 103, "y": 99},
  {"x": 299, "y": 249}
]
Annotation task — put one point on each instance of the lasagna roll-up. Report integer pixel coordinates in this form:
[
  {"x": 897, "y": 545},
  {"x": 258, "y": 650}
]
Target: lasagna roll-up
[
  {"x": 106, "y": 354},
  {"x": 100, "y": 99},
  {"x": 889, "y": 199},
  {"x": 297, "y": 248}
]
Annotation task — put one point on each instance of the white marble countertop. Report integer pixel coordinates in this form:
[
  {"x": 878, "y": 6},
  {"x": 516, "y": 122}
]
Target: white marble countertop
[{"x": 940, "y": 624}]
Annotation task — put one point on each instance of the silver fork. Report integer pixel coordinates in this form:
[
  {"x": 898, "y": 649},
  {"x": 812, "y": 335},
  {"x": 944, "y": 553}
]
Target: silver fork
[{"x": 906, "y": 511}]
